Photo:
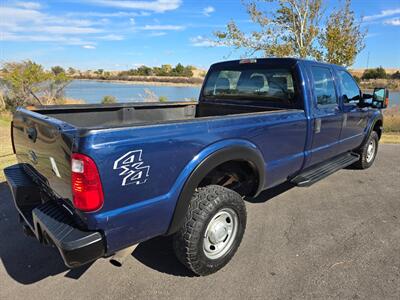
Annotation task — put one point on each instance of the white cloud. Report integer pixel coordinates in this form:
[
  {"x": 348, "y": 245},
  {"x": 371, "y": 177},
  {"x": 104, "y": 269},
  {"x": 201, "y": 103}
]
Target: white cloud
[
  {"x": 11, "y": 15},
  {"x": 162, "y": 27},
  {"x": 394, "y": 22},
  {"x": 119, "y": 14},
  {"x": 155, "y": 5},
  {"x": 28, "y": 5},
  {"x": 207, "y": 11},
  {"x": 111, "y": 37},
  {"x": 7, "y": 36},
  {"x": 65, "y": 30},
  {"x": 33, "y": 25},
  {"x": 201, "y": 41},
  {"x": 28, "y": 20},
  {"x": 91, "y": 47},
  {"x": 157, "y": 33},
  {"x": 382, "y": 14}
]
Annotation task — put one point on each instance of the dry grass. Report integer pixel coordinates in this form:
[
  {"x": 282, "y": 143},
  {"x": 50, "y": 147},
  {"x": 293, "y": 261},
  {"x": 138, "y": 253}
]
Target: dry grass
[
  {"x": 390, "y": 138},
  {"x": 7, "y": 157},
  {"x": 392, "y": 119}
]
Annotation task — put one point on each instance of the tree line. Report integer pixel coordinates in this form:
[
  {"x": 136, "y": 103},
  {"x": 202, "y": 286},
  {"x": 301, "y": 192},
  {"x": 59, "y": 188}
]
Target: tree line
[
  {"x": 164, "y": 71},
  {"x": 379, "y": 73}
]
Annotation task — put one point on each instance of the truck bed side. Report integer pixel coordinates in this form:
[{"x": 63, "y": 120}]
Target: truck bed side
[{"x": 160, "y": 158}]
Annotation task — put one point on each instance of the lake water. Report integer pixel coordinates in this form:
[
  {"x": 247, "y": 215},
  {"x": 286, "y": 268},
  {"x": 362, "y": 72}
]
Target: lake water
[{"x": 93, "y": 91}]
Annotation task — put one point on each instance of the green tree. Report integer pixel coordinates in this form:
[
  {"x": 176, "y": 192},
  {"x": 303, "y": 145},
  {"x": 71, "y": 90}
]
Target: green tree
[
  {"x": 106, "y": 75},
  {"x": 294, "y": 28},
  {"x": 27, "y": 83},
  {"x": 376, "y": 73},
  {"x": 163, "y": 99},
  {"x": 57, "y": 70},
  {"x": 289, "y": 31},
  {"x": 71, "y": 71},
  {"x": 108, "y": 100},
  {"x": 342, "y": 38},
  {"x": 396, "y": 75},
  {"x": 144, "y": 71},
  {"x": 166, "y": 69}
]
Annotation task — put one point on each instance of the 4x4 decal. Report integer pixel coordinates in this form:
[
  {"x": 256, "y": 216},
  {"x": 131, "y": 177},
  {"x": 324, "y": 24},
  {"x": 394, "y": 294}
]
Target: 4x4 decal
[{"x": 132, "y": 168}]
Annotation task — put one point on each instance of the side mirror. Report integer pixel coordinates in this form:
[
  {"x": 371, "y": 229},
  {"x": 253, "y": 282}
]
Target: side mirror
[{"x": 380, "y": 97}]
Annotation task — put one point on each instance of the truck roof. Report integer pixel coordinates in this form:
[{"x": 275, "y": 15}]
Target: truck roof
[{"x": 286, "y": 61}]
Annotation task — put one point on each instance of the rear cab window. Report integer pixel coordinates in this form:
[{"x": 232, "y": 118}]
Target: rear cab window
[
  {"x": 252, "y": 82},
  {"x": 324, "y": 87}
]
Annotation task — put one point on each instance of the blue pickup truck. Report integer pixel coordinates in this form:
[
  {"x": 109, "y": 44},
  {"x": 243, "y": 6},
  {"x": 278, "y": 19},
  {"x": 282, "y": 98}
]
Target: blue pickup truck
[{"x": 94, "y": 180}]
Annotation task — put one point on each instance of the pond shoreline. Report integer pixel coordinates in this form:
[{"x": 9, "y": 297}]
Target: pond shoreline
[
  {"x": 175, "y": 84},
  {"x": 138, "y": 82}
]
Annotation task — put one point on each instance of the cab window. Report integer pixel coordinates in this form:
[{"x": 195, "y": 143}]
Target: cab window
[
  {"x": 349, "y": 88},
  {"x": 324, "y": 87},
  {"x": 251, "y": 83}
]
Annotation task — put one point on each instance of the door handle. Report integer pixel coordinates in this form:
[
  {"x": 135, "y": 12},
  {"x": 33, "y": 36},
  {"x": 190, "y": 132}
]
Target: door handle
[
  {"x": 32, "y": 133},
  {"x": 317, "y": 125}
]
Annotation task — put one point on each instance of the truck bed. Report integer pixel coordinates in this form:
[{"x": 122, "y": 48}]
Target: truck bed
[{"x": 119, "y": 115}]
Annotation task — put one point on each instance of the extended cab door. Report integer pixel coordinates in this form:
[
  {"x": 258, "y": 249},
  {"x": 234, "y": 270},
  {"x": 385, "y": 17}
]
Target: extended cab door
[
  {"x": 325, "y": 112},
  {"x": 355, "y": 118}
]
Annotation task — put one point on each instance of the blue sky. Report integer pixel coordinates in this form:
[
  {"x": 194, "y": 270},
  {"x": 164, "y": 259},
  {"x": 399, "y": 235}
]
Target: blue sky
[{"x": 122, "y": 34}]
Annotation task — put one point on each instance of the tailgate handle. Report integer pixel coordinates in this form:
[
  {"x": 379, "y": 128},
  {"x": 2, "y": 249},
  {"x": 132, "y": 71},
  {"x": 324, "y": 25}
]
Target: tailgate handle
[{"x": 32, "y": 133}]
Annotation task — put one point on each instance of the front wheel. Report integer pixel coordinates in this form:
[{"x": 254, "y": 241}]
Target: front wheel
[
  {"x": 368, "y": 152},
  {"x": 213, "y": 229}
]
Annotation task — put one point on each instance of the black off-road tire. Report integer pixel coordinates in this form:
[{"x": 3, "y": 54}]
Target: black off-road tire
[
  {"x": 206, "y": 203},
  {"x": 364, "y": 162}
]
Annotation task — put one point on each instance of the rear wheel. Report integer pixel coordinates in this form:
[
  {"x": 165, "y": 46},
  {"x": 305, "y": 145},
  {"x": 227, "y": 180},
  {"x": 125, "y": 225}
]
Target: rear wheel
[
  {"x": 368, "y": 152},
  {"x": 213, "y": 229}
]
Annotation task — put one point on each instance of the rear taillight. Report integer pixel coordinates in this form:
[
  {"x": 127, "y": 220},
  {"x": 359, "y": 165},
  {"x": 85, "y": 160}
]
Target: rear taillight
[{"x": 87, "y": 191}]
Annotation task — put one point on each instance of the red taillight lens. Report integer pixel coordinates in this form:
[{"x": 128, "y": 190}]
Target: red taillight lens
[{"x": 87, "y": 191}]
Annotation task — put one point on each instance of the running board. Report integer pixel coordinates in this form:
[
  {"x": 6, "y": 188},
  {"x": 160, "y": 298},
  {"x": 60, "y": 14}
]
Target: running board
[{"x": 322, "y": 170}]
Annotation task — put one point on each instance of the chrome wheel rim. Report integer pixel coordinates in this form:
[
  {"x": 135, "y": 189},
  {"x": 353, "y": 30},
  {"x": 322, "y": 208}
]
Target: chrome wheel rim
[
  {"x": 371, "y": 150},
  {"x": 220, "y": 233}
]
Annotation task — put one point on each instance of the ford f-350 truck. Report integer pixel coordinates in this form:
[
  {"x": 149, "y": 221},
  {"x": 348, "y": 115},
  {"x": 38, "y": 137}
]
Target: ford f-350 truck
[{"x": 93, "y": 180}]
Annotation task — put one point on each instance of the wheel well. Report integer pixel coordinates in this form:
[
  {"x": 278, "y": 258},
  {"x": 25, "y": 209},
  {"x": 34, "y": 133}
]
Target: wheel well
[
  {"x": 377, "y": 128},
  {"x": 238, "y": 175},
  {"x": 242, "y": 165}
]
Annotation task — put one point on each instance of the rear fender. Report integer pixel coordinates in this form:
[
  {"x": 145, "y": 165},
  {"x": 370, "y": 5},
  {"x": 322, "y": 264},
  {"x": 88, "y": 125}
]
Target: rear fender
[{"x": 206, "y": 161}]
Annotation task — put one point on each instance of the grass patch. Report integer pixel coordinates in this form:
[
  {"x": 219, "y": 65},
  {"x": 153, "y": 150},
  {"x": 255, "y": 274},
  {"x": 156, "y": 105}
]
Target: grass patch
[
  {"x": 7, "y": 158},
  {"x": 391, "y": 121},
  {"x": 390, "y": 138}
]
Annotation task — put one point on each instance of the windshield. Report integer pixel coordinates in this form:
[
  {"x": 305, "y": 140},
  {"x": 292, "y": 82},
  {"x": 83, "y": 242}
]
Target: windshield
[{"x": 250, "y": 83}]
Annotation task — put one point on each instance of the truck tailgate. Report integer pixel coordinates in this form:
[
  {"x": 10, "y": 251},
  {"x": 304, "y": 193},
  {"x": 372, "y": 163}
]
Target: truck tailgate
[{"x": 44, "y": 145}]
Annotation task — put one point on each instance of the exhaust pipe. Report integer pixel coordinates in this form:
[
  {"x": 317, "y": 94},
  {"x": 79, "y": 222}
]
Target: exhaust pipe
[{"x": 119, "y": 257}]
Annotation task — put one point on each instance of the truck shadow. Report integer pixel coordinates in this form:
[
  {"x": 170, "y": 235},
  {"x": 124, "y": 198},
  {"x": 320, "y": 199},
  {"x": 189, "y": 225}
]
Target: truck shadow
[
  {"x": 24, "y": 258},
  {"x": 27, "y": 261},
  {"x": 159, "y": 255},
  {"x": 271, "y": 193}
]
